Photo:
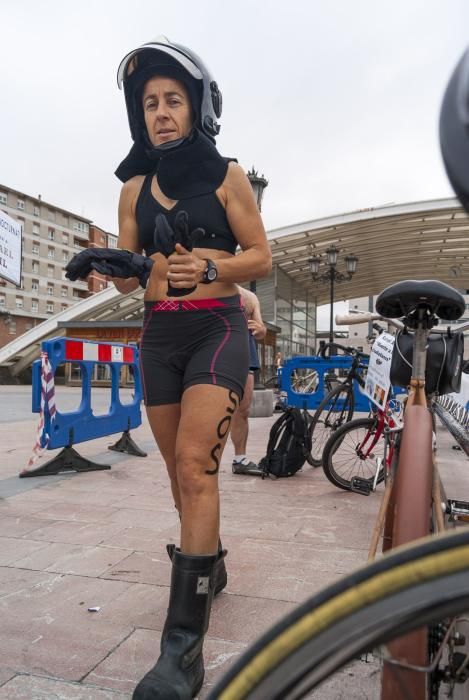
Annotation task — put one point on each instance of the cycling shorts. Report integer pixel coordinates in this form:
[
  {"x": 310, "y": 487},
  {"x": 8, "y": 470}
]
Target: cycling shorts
[{"x": 184, "y": 343}]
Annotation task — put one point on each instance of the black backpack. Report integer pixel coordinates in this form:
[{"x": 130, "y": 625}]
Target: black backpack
[{"x": 289, "y": 444}]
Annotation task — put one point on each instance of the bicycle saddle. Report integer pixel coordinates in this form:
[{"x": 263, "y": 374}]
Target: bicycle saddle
[{"x": 402, "y": 298}]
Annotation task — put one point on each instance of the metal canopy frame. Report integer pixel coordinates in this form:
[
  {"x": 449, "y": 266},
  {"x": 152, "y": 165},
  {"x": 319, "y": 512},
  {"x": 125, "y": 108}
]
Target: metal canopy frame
[
  {"x": 424, "y": 240},
  {"x": 419, "y": 240}
]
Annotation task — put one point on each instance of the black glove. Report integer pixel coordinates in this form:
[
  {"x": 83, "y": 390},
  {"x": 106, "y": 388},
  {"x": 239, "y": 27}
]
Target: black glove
[
  {"x": 165, "y": 239},
  {"x": 110, "y": 261}
]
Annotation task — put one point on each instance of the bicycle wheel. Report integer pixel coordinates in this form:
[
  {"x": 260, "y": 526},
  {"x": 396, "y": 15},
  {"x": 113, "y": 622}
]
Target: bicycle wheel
[
  {"x": 335, "y": 409},
  {"x": 414, "y": 586},
  {"x": 353, "y": 450}
]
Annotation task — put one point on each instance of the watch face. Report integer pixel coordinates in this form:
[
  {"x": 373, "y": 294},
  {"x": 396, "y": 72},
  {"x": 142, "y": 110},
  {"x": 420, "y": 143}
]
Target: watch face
[{"x": 212, "y": 274}]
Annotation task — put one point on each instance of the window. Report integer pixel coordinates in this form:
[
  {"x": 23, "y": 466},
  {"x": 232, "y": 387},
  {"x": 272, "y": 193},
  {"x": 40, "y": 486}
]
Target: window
[
  {"x": 35, "y": 266},
  {"x": 64, "y": 238},
  {"x": 34, "y": 285},
  {"x": 103, "y": 239},
  {"x": 36, "y": 248},
  {"x": 65, "y": 256},
  {"x": 76, "y": 294},
  {"x": 101, "y": 286},
  {"x": 3, "y": 198},
  {"x": 2, "y": 301},
  {"x": 50, "y": 289},
  {"x": 80, "y": 226},
  {"x": 51, "y": 215},
  {"x": 51, "y": 253},
  {"x": 64, "y": 307},
  {"x": 112, "y": 242},
  {"x": 20, "y": 205},
  {"x": 50, "y": 307},
  {"x": 36, "y": 210},
  {"x": 50, "y": 270},
  {"x": 34, "y": 305},
  {"x": 51, "y": 234},
  {"x": 36, "y": 229},
  {"x": 12, "y": 327},
  {"x": 64, "y": 292}
]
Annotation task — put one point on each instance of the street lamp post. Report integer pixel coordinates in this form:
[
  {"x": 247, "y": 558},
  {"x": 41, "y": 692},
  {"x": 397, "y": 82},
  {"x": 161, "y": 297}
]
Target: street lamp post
[
  {"x": 332, "y": 275},
  {"x": 258, "y": 184}
]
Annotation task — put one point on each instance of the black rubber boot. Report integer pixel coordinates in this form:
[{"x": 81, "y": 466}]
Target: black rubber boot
[
  {"x": 179, "y": 672},
  {"x": 221, "y": 576}
]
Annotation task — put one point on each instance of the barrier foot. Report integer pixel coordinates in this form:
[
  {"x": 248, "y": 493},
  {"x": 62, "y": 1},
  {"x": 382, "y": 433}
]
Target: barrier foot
[
  {"x": 68, "y": 460},
  {"x": 126, "y": 444}
]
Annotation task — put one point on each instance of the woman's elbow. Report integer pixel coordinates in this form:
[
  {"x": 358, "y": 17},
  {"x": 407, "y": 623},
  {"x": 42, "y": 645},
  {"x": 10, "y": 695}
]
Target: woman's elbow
[{"x": 266, "y": 264}]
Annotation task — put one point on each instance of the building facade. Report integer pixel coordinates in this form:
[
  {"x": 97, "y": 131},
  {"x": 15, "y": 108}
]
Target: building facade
[{"x": 51, "y": 236}]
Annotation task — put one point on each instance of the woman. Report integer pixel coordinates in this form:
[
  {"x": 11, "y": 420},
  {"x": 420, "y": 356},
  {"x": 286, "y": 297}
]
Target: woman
[{"x": 194, "y": 345}]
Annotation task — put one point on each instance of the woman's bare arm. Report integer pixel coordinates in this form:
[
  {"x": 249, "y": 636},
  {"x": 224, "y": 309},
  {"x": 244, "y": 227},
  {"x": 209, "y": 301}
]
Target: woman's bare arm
[{"x": 128, "y": 231}]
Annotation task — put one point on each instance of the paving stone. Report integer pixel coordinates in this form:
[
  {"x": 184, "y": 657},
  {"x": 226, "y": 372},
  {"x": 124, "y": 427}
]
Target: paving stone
[
  {"x": 37, "y": 688},
  {"x": 142, "y": 567},
  {"x": 47, "y": 629},
  {"x": 12, "y": 549},
  {"x": 73, "y": 559},
  {"x": 74, "y": 532},
  {"x": 138, "y": 653},
  {"x": 18, "y": 525}
]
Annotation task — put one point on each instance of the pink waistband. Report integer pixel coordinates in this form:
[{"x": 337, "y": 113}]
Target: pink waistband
[{"x": 172, "y": 305}]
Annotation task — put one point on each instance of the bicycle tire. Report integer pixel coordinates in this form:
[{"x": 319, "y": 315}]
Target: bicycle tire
[
  {"x": 340, "y": 457},
  {"x": 411, "y": 587},
  {"x": 323, "y": 425}
]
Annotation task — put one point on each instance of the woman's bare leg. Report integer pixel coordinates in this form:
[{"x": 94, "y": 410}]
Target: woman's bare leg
[
  {"x": 164, "y": 423},
  {"x": 206, "y": 415}
]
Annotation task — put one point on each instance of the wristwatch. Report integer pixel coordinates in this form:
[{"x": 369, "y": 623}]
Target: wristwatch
[{"x": 210, "y": 272}]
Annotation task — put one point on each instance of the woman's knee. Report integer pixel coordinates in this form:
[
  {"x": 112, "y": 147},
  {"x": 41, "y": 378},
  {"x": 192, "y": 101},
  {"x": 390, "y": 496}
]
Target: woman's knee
[{"x": 195, "y": 474}]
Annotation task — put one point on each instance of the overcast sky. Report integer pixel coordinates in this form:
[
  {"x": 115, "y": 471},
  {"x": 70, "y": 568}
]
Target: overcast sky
[{"x": 335, "y": 102}]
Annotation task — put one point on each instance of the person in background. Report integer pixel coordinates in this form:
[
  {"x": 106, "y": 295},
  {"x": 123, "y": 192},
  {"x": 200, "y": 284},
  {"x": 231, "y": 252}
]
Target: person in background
[{"x": 240, "y": 423}]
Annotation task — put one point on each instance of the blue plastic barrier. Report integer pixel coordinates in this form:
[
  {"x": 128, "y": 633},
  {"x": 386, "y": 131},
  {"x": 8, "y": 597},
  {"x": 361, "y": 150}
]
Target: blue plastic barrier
[
  {"x": 323, "y": 367},
  {"x": 81, "y": 425}
]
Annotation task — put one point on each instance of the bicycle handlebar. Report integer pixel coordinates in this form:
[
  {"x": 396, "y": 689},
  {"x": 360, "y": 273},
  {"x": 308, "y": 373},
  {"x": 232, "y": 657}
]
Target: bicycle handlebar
[{"x": 367, "y": 316}]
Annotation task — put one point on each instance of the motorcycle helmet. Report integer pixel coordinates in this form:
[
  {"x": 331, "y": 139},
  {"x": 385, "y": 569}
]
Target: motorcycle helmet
[{"x": 160, "y": 56}]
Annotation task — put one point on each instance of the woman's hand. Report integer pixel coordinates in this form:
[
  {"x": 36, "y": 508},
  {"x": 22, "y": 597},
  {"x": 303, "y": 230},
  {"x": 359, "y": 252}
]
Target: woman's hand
[
  {"x": 125, "y": 286},
  {"x": 185, "y": 269},
  {"x": 257, "y": 329}
]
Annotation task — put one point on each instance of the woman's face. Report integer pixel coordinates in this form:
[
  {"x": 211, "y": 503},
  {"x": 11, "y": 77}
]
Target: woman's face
[{"x": 167, "y": 110}]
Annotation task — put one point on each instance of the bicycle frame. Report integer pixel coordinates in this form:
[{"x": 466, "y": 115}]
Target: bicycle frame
[{"x": 406, "y": 519}]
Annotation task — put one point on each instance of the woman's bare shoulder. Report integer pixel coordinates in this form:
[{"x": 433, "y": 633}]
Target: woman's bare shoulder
[{"x": 130, "y": 190}]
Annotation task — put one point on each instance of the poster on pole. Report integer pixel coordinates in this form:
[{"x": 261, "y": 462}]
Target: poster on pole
[
  {"x": 378, "y": 376},
  {"x": 10, "y": 249}
]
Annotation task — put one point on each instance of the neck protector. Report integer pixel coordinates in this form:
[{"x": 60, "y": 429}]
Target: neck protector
[{"x": 191, "y": 169}]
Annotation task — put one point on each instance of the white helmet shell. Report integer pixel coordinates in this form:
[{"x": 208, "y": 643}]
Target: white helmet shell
[{"x": 211, "y": 103}]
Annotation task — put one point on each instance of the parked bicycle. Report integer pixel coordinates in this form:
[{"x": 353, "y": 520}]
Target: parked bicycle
[{"x": 338, "y": 405}]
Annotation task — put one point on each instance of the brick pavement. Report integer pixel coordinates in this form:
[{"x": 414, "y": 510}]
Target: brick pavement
[{"x": 76, "y": 541}]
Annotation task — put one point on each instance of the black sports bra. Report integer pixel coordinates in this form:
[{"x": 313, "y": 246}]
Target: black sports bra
[{"x": 205, "y": 211}]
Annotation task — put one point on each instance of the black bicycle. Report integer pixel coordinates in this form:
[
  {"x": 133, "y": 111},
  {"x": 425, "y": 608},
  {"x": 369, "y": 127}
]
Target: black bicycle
[{"x": 338, "y": 406}]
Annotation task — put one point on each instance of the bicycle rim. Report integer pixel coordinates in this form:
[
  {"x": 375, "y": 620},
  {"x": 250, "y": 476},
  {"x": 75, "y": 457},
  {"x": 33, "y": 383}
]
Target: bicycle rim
[
  {"x": 412, "y": 587},
  {"x": 334, "y": 410},
  {"x": 345, "y": 453}
]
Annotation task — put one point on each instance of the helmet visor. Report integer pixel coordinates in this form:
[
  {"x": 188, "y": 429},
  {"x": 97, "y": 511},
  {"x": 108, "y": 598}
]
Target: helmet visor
[{"x": 129, "y": 62}]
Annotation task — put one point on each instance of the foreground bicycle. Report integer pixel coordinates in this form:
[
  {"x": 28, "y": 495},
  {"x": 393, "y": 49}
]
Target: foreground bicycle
[
  {"x": 420, "y": 586},
  {"x": 405, "y": 610}
]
